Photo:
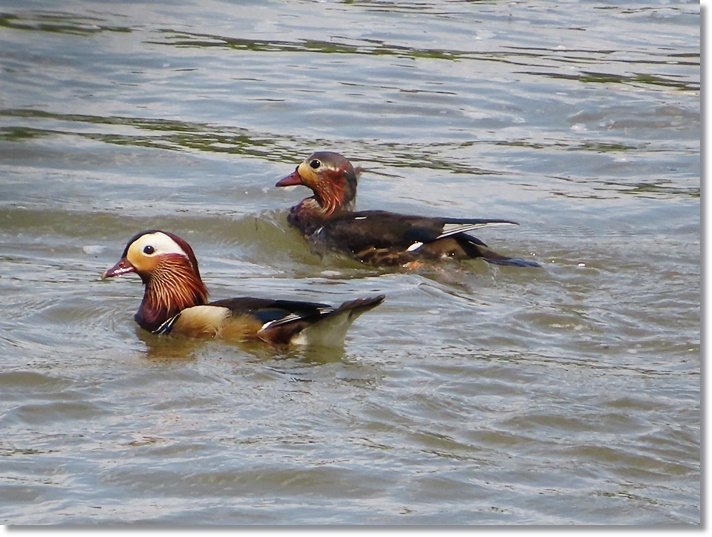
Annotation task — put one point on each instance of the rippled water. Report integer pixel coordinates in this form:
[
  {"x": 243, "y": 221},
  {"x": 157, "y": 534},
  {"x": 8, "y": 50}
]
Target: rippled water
[{"x": 474, "y": 394}]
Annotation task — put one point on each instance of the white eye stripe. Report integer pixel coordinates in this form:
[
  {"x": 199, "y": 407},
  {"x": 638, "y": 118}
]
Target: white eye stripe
[
  {"x": 162, "y": 244},
  {"x": 157, "y": 244}
]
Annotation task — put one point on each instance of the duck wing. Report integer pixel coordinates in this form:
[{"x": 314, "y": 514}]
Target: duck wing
[
  {"x": 288, "y": 321},
  {"x": 361, "y": 230}
]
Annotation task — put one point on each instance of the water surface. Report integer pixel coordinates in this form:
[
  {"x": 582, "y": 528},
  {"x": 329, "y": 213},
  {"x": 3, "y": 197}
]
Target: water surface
[{"x": 474, "y": 394}]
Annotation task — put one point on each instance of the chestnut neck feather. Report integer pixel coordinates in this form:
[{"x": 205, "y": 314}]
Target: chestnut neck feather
[
  {"x": 170, "y": 288},
  {"x": 336, "y": 192}
]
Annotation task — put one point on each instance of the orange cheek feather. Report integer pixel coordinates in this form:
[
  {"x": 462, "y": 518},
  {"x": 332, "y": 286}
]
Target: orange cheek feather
[{"x": 143, "y": 263}]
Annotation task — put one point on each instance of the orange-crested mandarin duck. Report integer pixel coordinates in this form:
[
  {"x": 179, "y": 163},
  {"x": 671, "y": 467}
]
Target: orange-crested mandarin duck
[
  {"x": 328, "y": 221},
  {"x": 175, "y": 301}
]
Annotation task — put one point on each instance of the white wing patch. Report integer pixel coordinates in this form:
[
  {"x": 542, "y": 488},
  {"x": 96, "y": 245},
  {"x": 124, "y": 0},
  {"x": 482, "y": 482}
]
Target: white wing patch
[
  {"x": 292, "y": 317},
  {"x": 455, "y": 229},
  {"x": 277, "y": 322}
]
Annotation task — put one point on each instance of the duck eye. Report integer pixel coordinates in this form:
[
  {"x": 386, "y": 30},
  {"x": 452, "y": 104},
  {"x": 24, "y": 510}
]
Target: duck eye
[
  {"x": 315, "y": 164},
  {"x": 148, "y": 250}
]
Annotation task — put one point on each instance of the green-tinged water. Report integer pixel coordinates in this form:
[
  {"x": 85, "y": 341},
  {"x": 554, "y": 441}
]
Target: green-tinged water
[{"x": 475, "y": 394}]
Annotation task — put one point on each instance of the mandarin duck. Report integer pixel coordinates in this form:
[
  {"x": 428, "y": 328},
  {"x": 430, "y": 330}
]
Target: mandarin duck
[
  {"x": 175, "y": 301},
  {"x": 328, "y": 222}
]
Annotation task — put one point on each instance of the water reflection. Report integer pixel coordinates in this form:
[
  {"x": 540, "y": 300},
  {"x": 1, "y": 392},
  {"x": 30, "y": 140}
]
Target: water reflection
[
  {"x": 161, "y": 348},
  {"x": 57, "y": 22}
]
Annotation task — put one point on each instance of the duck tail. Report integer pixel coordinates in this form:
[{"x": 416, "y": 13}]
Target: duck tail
[
  {"x": 330, "y": 329},
  {"x": 476, "y": 248}
]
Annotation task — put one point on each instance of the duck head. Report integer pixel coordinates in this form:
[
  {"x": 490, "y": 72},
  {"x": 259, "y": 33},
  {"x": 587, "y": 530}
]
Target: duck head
[
  {"x": 169, "y": 270},
  {"x": 331, "y": 177}
]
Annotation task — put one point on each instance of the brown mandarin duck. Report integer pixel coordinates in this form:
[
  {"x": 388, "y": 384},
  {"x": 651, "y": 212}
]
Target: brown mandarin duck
[
  {"x": 328, "y": 221},
  {"x": 175, "y": 301}
]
